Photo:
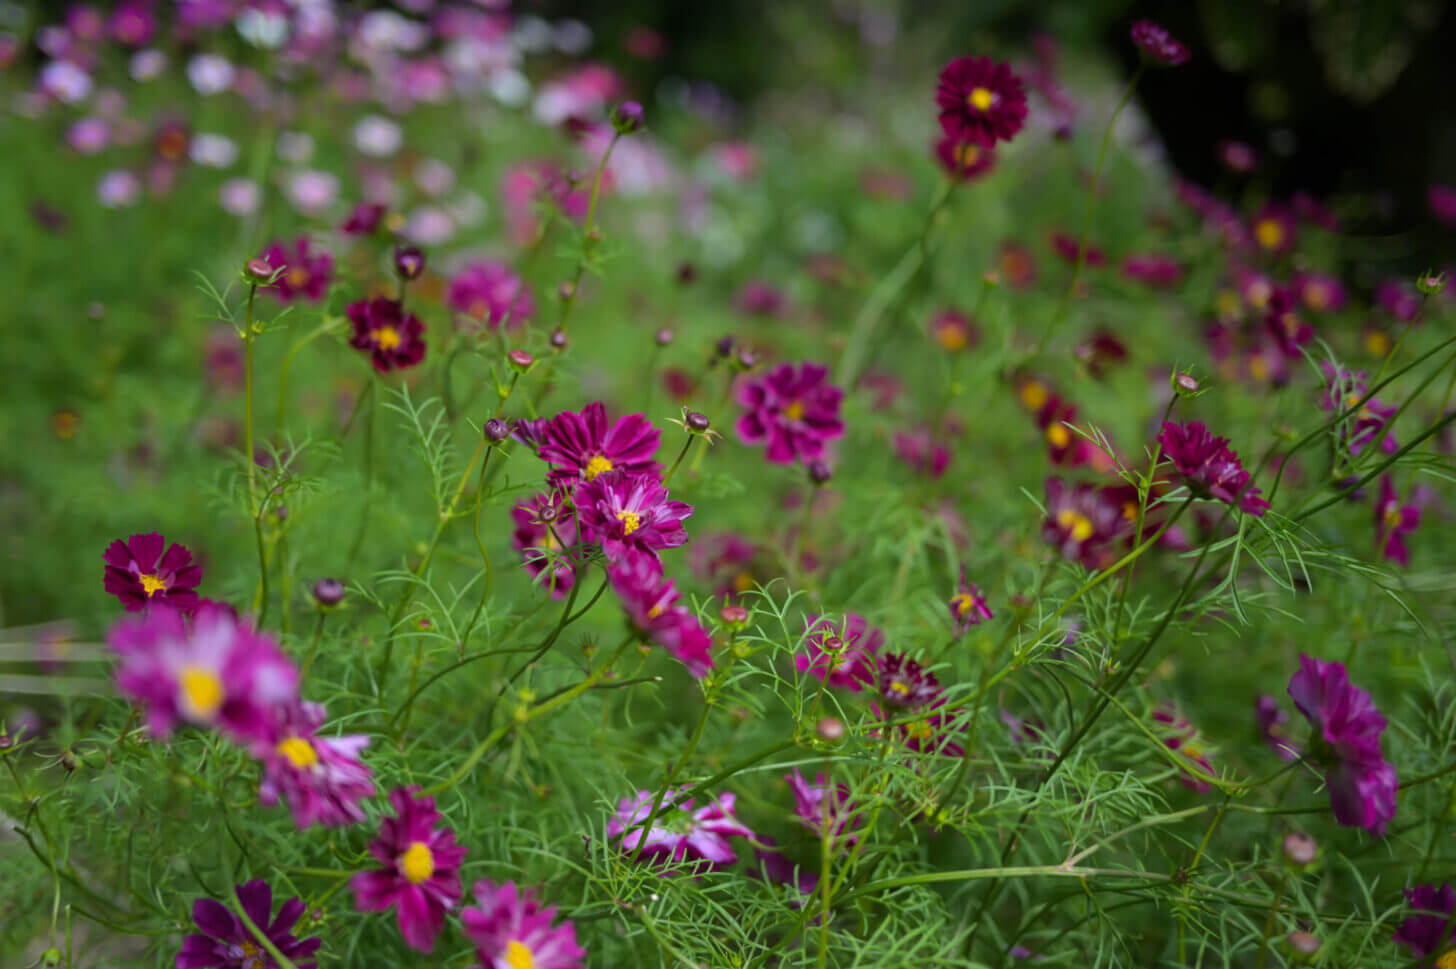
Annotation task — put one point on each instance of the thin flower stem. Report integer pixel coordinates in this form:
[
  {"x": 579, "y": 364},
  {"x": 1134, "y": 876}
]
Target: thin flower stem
[
  {"x": 680, "y": 455},
  {"x": 364, "y": 515},
  {"x": 298, "y": 345},
  {"x": 1144, "y": 490},
  {"x": 673, "y": 770},
  {"x": 588, "y": 238},
  {"x": 248, "y": 402},
  {"x": 1269, "y": 922}
]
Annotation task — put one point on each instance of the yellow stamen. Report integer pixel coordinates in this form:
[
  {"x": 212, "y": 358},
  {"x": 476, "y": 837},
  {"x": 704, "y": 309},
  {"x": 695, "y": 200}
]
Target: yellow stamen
[
  {"x": 1317, "y": 296},
  {"x": 152, "y": 584},
  {"x": 1270, "y": 233},
  {"x": 1033, "y": 395},
  {"x": 1259, "y": 368},
  {"x": 297, "y": 277},
  {"x": 1078, "y": 524},
  {"x": 387, "y": 338},
  {"x": 1227, "y": 303},
  {"x": 795, "y": 411},
  {"x": 901, "y": 688},
  {"x": 1377, "y": 344},
  {"x": 417, "y": 863},
  {"x": 631, "y": 521},
  {"x": 967, "y": 154},
  {"x": 298, "y": 752},
  {"x": 519, "y": 957},
  {"x": 250, "y": 951},
  {"x": 743, "y": 581},
  {"x": 1058, "y": 435},
  {"x": 596, "y": 466},
  {"x": 202, "y": 692},
  {"x": 951, "y": 337},
  {"x": 1447, "y": 960},
  {"x": 981, "y": 98},
  {"x": 962, "y": 602},
  {"x": 479, "y": 309}
]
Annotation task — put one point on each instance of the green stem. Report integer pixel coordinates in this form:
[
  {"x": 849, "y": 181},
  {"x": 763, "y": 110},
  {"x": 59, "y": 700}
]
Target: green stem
[
  {"x": 318, "y": 629},
  {"x": 680, "y": 455}
]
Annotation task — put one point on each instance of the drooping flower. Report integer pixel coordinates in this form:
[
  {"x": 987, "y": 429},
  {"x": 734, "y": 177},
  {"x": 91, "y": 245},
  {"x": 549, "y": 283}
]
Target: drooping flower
[
  {"x": 139, "y": 573},
  {"x": 968, "y": 606},
  {"x": 965, "y": 160},
  {"x": 1209, "y": 467},
  {"x": 393, "y": 338},
  {"x": 1393, "y": 520},
  {"x": 980, "y": 101},
  {"x": 226, "y": 943},
  {"x": 306, "y": 273},
  {"x": 322, "y": 778},
  {"x": 421, "y": 874},
  {"x": 490, "y": 293},
  {"x": 630, "y": 512},
  {"x": 543, "y": 533},
  {"x": 1346, "y": 743},
  {"x": 1427, "y": 933},
  {"x": 1271, "y": 720},
  {"x": 1157, "y": 46},
  {"x": 582, "y": 446},
  {"x": 680, "y": 833},
  {"x": 651, "y": 602},
  {"x": 826, "y": 811},
  {"x": 1083, "y": 522},
  {"x": 511, "y": 930},
  {"x": 794, "y": 409},
  {"x": 844, "y": 655},
  {"x": 1183, "y": 739},
  {"x": 211, "y": 670}
]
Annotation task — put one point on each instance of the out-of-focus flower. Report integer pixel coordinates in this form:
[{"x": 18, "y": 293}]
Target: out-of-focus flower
[
  {"x": 306, "y": 272},
  {"x": 1153, "y": 269},
  {"x": 1428, "y": 932},
  {"x": 210, "y": 74},
  {"x": 965, "y": 160},
  {"x": 511, "y": 930},
  {"x": 118, "y": 189},
  {"x": 1392, "y": 521},
  {"x": 377, "y": 137},
  {"x": 240, "y": 196},
  {"x": 980, "y": 101},
  {"x": 825, "y": 810},
  {"x": 539, "y": 521},
  {"x": 1182, "y": 738},
  {"x": 651, "y": 603},
  {"x": 681, "y": 833},
  {"x": 844, "y": 655},
  {"x": 1273, "y": 229},
  {"x": 311, "y": 192},
  {"x": 792, "y": 408},
  {"x": 322, "y": 778},
  {"x": 490, "y": 293},
  {"x": 226, "y": 943},
  {"x": 968, "y": 606},
  {"x": 1270, "y": 721},
  {"x": 1157, "y": 46}
]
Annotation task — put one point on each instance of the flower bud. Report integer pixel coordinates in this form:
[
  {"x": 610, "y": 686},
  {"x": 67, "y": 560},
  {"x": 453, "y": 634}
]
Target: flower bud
[
  {"x": 1299, "y": 848},
  {"x": 1431, "y": 283},
  {"x": 735, "y": 616},
  {"x": 724, "y": 346},
  {"x": 830, "y": 729},
  {"x": 521, "y": 360},
  {"x": 1185, "y": 384},
  {"x": 695, "y": 422},
  {"x": 257, "y": 271},
  {"x": 627, "y": 117},
  {"x": 746, "y": 359},
  {"x": 409, "y": 262},
  {"x": 1304, "y": 943},
  {"x": 558, "y": 340},
  {"x": 687, "y": 273},
  {"x": 663, "y": 337},
  {"x": 495, "y": 431},
  {"x": 566, "y": 289},
  {"x": 819, "y": 472},
  {"x": 328, "y": 593}
]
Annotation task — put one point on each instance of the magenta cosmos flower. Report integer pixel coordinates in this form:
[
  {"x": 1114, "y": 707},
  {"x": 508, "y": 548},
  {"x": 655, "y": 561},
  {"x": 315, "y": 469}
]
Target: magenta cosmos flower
[
  {"x": 825, "y": 810},
  {"x": 1270, "y": 721},
  {"x": 1393, "y": 520},
  {"x": 1209, "y": 467},
  {"x": 1153, "y": 269},
  {"x": 544, "y": 531},
  {"x": 421, "y": 874},
  {"x": 489, "y": 292},
  {"x": 392, "y": 338},
  {"x": 581, "y": 446},
  {"x": 651, "y": 603},
  {"x": 226, "y": 943},
  {"x": 1425, "y": 934},
  {"x": 1346, "y": 743},
  {"x": 792, "y": 408},
  {"x": 1157, "y": 46},
  {"x": 140, "y": 573},
  {"x": 211, "y": 670},
  {"x": 322, "y": 778},
  {"x": 1343, "y": 390},
  {"x": 306, "y": 273},
  {"x": 965, "y": 160},
  {"x": 968, "y": 606},
  {"x": 630, "y": 512},
  {"x": 907, "y": 686},
  {"x": 363, "y": 220},
  {"x": 680, "y": 834},
  {"x": 980, "y": 101},
  {"x": 511, "y": 930},
  {"x": 1274, "y": 229},
  {"x": 1084, "y": 522},
  {"x": 1183, "y": 739},
  {"x": 842, "y": 654}
]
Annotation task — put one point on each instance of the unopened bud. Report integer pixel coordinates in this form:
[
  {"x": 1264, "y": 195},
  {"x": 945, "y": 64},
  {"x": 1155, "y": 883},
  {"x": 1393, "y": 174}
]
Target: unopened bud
[
  {"x": 687, "y": 273},
  {"x": 409, "y": 262},
  {"x": 257, "y": 270},
  {"x": 1186, "y": 385},
  {"x": 521, "y": 360},
  {"x": 566, "y": 289},
  {"x": 1431, "y": 283},
  {"x": 627, "y": 117},
  {"x": 1304, "y": 943},
  {"x": 819, "y": 472},
  {"x": 1299, "y": 848},
  {"x": 663, "y": 337},
  {"x": 558, "y": 340},
  {"x": 495, "y": 431},
  {"x": 733, "y": 615},
  {"x": 695, "y": 422},
  {"x": 724, "y": 346},
  {"x": 830, "y": 729},
  {"x": 328, "y": 593},
  {"x": 746, "y": 359}
]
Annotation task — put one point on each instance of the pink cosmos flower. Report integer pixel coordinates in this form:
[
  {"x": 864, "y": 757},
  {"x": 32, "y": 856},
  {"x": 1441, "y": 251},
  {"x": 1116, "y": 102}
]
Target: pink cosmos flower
[
  {"x": 651, "y": 603},
  {"x": 1399, "y": 299},
  {"x": 980, "y": 101},
  {"x": 843, "y": 655},
  {"x": 421, "y": 874},
  {"x": 542, "y": 526},
  {"x": 322, "y": 778},
  {"x": 1273, "y": 229},
  {"x": 968, "y": 606},
  {"x": 306, "y": 273},
  {"x": 826, "y": 811},
  {"x": 489, "y": 292},
  {"x": 211, "y": 670},
  {"x": 1157, "y": 46},
  {"x": 363, "y": 220},
  {"x": 1320, "y": 292},
  {"x": 226, "y": 943},
  {"x": 681, "y": 833},
  {"x": 1426, "y": 934},
  {"x": 1083, "y": 522},
  {"x": 792, "y": 408},
  {"x": 582, "y": 446},
  {"x": 1182, "y": 738},
  {"x": 1393, "y": 520},
  {"x": 1209, "y": 467},
  {"x": 526, "y": 184},
  {"x": 630, "y": 512},
  {"x": 923, "y": 453},
  {"x": 511, "y": 930},
  {"x": 1270, "y": 721},
  {"x": 139, "y": 573},
  {"x": 1346, "y": 743}
]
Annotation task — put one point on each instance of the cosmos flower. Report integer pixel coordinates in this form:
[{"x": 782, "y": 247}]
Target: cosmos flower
[
  {"x": 1393, "y": 520},
  {"x": 421, "y": 874},
  {"x": 539, "y": 520},
  {"x": 305, "y": 275},
  {"x": 363, "y": 220},
  {"x": 954, "y": 331},
  {"x": 1068, "y": 248},
  {"x": 965, "y": 160},
  {"x": 1343, "y": 390},
  {"x": 489, "y": 292},
  {"x": 582, "y": 446},
  {"x": 760, "y": 298},
  {"x": 794, "y": 409},
  {"x": 1283, "y": 322},
  {"x": 630, "y": 512},
  {"x": 1158, "y": 47},
  {"x": 1273, "y": 229},
  {"x": 980, "y": 101},
  {"x": 139, "y": 573},
  {"x": 1016, "y": 265},
  {"x": 826, "y": 811},
  {"x": 1346, "y": 744},
  {"x": 211, "y": 670},
  {"x": 1399, "y": 299},
  {"x": 1427, "y": 933},
  {"x": 392, "y": 337},
  {"x": 312, "y": 191},
  {"x": 968, "y": 606},
  {"x": 843, "y": 655},
  {"x": 226, "y": 943},
  {"x": 511, "y": 930},
  {"x": 921, "y": 452},
  {"x": 1209, "y": 467},
  {"x": 529, "y": 183},
  {"x": 1083, "y": 522},
  {"x": 725, "y": 560},
  {"x": 1441, "y": 200},
  {"x": 1270, "y": 721},
  {"x": 651, "y": 603},
  {"x": 322, "y": 778},
  {"x": 1182, "y": 738},
  {"x": 1320, "y": 292},
  {"x": 1153, "y": 269},
  {"x": 681, "y": 833},
  {"x": 118, "y": 189},
  {"x": 904, "y": 683}
]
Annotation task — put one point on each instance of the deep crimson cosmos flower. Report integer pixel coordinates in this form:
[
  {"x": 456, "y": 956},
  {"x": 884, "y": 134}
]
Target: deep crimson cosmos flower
[
  {"x": 1425, "y": 934},
  {"x": 651, "y": 603},
  {"x": 322, "y": 778},
  {"x": 490, "y": 293},
  {"x": 392, "y": 338},
  {"x": 511, "y": 930},
  {"x": 306, "y": 273},
  {"x": 968, "y": 606},
  {"x": 980, "y": 101},
  {"x": 1157, "y": 46},
  {"x": 582, "y": 446},
  {"x": 1083, "y": 522},
  {"x": 965, "y": 160},
  {"x": 1209, "y": 467},
  {"x": 1392, "y": 521},
  {"x": 140, "y": 573},
  {"x": 543, "y": 526},
  {"x": 421, "y": 874},
  {"x": 792, "y": 408},
  {"x": 226, "y": 943},
  {"x": 681, "y": 833},
  {"x": 1346, "y": 743},
  {"x": 843, "y": 655},
  {"x": 630, "y": 512}
]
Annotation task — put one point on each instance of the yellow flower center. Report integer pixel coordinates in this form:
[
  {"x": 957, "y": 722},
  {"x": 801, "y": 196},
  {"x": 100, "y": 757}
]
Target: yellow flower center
[
  {"x": 631, "y": 521},
  {"x": 655, "y": 611},
  {"x": 1078, "y": 524},
  {"x": 951, "y": 337},
  {"x": 962, "y": 602},
  {"x": 1447, "y": 961},
  {"x": 920, "y": 730},
  {"x": 1270, "y": 233},
  {"x": 1227, "y": 303},
  {"x": 901, "y": 688},
  {"x": 1259, "y": 294},
  {"x": 795, "y": 411},
  {"x": 417, "y": 864},
  {"x": 250, "y": 951},
  {"x": 967, "y": 154},
  {"x": 1130, "y": 510},
  {"x": 1058, "y": 435},
  {"x": 1377, "y": 344},
  {"x": 386, "y": 338},
  {"x": 298, "y": 752},
  {"x": 596, "y": 466},
  {"x": 1392, "y": 518},
  {"x": 298, "y": 277},
  {"x": 1259, "y": 367},
  {"x": 1033, "y": 395},
  {"x": 981, "y": 98},
  {"x": 202, "y": 692},
  {"x": 743, "y": 581},
  {"x": 519, "y": 957},
  {"x": 479, "y": 309},
  {"x": 1317, "y": 296},
  {"x": 152, "y": 584}
]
